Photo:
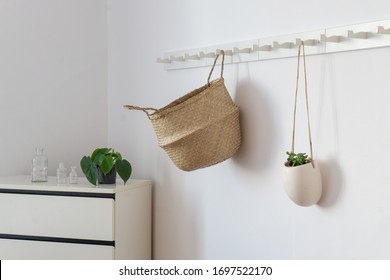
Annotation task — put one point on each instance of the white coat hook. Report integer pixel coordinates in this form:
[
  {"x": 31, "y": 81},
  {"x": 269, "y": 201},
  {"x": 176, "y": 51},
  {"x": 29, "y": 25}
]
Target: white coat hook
[
  {"x": 245, "y": 50},
  {"x": 310, "y": 42},
  {"x": 163, "y": 60},
  {"x": 382, "y": 30},
  {"x": 227, "y": 52},
  {"x": 209, "y": 55},
  {"x": 330, "y": 39},
  {"x": 265, "y": 48},
  {"x": 357, "y": 35},
  {"x": 287, "y": 45},
  {"x": 191, "y": 57},
  {"x": 176, "y": 58}
]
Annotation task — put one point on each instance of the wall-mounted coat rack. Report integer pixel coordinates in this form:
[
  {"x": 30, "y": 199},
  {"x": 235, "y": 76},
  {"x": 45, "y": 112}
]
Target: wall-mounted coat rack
[{"x": 328, "y": 40}]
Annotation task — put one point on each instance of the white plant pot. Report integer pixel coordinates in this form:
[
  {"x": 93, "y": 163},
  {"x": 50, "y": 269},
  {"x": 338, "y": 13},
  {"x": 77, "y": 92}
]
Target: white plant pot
[{"x": 303, "y": 183}]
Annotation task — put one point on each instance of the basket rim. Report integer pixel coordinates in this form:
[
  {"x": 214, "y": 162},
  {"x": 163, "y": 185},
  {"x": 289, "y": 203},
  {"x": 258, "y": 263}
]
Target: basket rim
[{"x": 186, "y": 99}]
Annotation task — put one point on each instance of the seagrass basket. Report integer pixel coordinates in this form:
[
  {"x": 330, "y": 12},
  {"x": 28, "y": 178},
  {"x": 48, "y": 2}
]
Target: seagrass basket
[{"x": 201, "y": 128}]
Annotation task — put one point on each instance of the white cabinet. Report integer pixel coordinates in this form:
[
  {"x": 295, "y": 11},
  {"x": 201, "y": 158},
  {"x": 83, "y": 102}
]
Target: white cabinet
[{"x": 50, "y": 221}]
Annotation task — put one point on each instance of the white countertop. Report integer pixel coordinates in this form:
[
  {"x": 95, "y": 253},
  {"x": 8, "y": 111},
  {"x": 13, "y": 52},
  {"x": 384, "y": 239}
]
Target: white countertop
[{"x": 23, "y": 182}]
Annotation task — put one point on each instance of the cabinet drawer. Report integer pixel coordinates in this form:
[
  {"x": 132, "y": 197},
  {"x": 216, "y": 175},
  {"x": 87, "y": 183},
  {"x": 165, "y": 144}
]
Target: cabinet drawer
[
  {"x": 36, "y": 250},
  {"x": 57, "y": 216}
]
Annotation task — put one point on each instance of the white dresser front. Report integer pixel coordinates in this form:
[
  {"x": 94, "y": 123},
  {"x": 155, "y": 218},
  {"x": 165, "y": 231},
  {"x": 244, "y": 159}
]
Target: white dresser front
[{"x": 46, "y": 221}]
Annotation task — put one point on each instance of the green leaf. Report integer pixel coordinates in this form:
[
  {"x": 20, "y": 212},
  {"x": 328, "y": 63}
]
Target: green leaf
[
  {"x": 99, "y": 151},
  {"x": 106, "y": 164},
  {"x": 124, "y": 169},
  {"x": 297, "y": 159},
  {"x": 95, "y": 153},
  {"x": 99, "y": 159},
  {"x": 89, "y": 169},
  {"x": 116, "y": 155}
]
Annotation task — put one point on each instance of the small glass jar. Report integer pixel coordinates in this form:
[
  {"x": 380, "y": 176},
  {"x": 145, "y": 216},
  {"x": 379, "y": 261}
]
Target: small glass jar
[
  {"x": 61, "y": 174},
  {"x": 73, "y": 175},
  {"x": 39, "y": 166}
]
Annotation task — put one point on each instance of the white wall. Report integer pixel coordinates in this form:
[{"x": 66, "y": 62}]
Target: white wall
[
  {"x": 238, "y": 209},
  {"x": 53, "y": 80},
  {"x": 53, "y": 85}
]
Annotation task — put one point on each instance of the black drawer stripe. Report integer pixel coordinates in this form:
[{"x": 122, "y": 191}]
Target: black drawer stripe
[
  {"x": 58, "y": 193},
  {"x": 57, "y": 239}
]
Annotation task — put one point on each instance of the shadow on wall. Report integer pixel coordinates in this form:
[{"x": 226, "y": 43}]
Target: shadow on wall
[
  {"x": 176, "y": 225},
  {"x": 332, "y": 182},
  {"x": 332, "y": 177},
  {"x": 257, "y": 128}
]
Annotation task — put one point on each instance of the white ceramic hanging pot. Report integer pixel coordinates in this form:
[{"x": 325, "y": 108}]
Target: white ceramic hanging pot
[{"x": 303, "y": 183}]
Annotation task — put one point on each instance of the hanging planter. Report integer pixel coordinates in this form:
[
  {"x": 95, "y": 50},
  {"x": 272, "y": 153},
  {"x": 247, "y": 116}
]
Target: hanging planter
[{"x": 301, "y": 175}]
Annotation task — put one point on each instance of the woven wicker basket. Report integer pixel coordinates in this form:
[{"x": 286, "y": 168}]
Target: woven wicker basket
[{"x": 200, "y": 129}]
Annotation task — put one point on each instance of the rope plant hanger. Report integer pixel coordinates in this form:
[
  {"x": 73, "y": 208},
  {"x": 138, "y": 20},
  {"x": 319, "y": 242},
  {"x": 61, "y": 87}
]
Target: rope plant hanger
[{"x": 301, "y": 176}]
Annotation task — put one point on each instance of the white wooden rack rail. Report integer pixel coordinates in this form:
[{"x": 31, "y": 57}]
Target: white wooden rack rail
[{"x": 328, "y": 40}]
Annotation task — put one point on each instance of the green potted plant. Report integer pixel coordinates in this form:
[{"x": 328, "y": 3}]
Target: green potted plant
[
  {"x": 302, "y": 179},
  {"x": 103, "y": 165},
  {"x": 294, "y": 159}
]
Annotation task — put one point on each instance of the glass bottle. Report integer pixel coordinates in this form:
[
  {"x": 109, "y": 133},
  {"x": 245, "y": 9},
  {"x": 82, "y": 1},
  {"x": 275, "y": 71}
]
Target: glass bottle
[
  {"x": 39, "y": 166},
  {"x": 61, "y": 174},
  {"x": 73, "y": 175}
]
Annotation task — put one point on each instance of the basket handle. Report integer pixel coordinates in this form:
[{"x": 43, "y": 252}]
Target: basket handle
[
  {"x": 215, "y": 61},
  {"x": 307, "y": 103},
  {"x": 144, "y": 109}
]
